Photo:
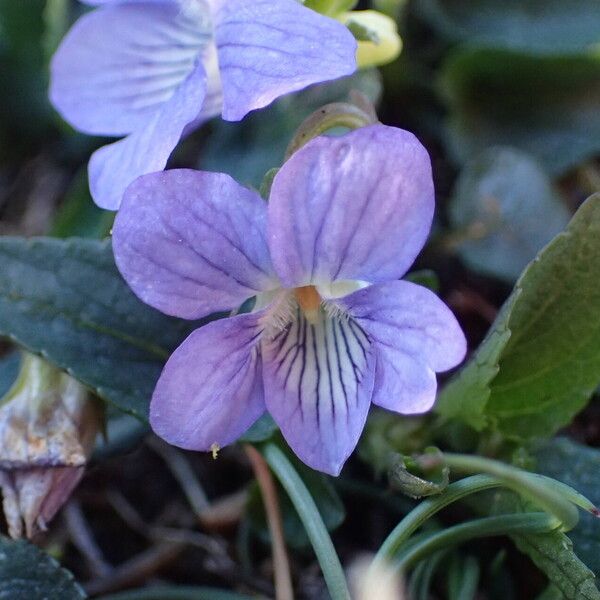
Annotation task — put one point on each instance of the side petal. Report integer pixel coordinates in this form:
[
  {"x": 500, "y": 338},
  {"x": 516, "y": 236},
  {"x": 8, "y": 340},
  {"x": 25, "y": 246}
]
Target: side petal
[
  {"x": 415, "y": 335},
  {"x": 112, "y": 168},
  {"x": 191, "y": 243},
  {"x": 268, "y": 48},
  {"x": 318, "y": 381},
  {"x": 356, "y": 207},
  {"x": 210, "y": 391},
  {"x": 119, "y": 65}
]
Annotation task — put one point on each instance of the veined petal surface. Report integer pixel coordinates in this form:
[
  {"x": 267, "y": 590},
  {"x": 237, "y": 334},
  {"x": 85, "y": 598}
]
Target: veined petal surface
[
  {"x": 112, "y": 168},
  {"x": 190, "y": 243},
  {"x": 120, "y": 64},
  {"x": 355, "y": 207},
  {"x": 210, "y": 391},
  {"x": 268, "y": 48},
  {"x": 318, "y": 381},
  {"x": 415, "y": 334}
]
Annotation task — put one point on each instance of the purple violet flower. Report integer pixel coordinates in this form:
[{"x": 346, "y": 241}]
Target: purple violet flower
[
  {"x": 153, "y": 70},
  {"x": 333, "y": 329}
]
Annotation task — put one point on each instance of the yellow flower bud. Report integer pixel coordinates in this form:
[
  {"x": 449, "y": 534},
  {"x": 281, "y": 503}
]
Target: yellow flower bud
[{"x": 386, "y": 43}]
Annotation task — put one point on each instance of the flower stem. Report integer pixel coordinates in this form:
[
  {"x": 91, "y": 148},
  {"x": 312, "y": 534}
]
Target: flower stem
[
  {"x": 487, "y": 526},
  {"x": 281, "y": 565},
  {"x": 311, "y": 519},
  {"x": 336, "y": 114},
  {"x": 428, "y": 508},
  {"x": 539, "y": 490}
]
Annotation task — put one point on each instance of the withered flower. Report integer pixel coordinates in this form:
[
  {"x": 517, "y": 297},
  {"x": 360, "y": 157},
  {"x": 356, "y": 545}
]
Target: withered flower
[{"x": 48, "y": 425}]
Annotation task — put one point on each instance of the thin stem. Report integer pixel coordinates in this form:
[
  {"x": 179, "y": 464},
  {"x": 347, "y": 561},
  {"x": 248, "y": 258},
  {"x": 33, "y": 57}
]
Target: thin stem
[
  {"x": 336, "y": 114},
  {"x": 311, "y": 519},
  {"x": 177, "y": 593},
  {"x": 485, "y": 527},
  {"x": 464, "y": 584},
  {"x": 281, "y": 564},
  {"x": 537, "y": 489},
  {"x": 428, "y": 508}
]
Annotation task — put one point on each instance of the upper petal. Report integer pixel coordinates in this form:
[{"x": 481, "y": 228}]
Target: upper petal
[
  {"x": 112, "y": 168},
  {"x": 191, "y": 243},
  {"x": 318, "y": 380},
  {"x": 268, "y": 48},
  {"x": 210, "y": 391},
  {"x": 415, "y": 334},
  {"x": 358, "y": 206},
  {"x": 119, "y": 64}
]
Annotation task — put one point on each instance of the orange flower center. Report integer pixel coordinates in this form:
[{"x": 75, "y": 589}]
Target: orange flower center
[{"x": 309, "y": 301}]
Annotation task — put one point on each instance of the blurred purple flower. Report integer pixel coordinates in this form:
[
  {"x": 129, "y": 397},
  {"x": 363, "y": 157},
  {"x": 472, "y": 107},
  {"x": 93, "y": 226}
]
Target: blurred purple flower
[
  {"x": 332, "y": 329},
  {"x": 153, "y": 70}
]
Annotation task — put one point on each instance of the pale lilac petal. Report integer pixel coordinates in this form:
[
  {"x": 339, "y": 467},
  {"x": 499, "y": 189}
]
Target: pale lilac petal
[
  {"x": 119, "y": 65},
  {"x": 415, "y": 335},
  {"x": 268, "y": 48},
  {"x": 318, "y": 385},
  {"x": 112, "y": 168},
  {"x": 210, "y": 391},
  {"x": 358, "y": 206},
  {"x": 190, "y": 243},
  {"x": 402, "y": 383}
]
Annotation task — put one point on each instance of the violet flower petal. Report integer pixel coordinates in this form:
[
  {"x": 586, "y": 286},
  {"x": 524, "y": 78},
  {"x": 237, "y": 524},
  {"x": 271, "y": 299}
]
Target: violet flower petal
[
  {"x": 415, "y": 335},
  {"x": 403, "y": 383},
  {"x": 356, "y": 207},
  {"x": 318, "y": 385},
  {"x": 119, "y": 64},
  {"x": 268, "y": 48},
  {"x": 210, "y": 391},
  {"x": 190, "y": 243},
  {"x": 112, "y": 168}
]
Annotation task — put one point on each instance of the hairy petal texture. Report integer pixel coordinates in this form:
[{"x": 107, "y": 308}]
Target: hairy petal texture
[
  {"x": 120, "y": 64},
  {"x": 210, "y": 391},
  {"x": 268, "y": 48},
  {"x": 112, "y": 168},
  {"x": 190, "y": 243},
  {"x": 355, "y": 207},
  {"x": 415, "y": 335},
  {"x": 318, "y": 380}
]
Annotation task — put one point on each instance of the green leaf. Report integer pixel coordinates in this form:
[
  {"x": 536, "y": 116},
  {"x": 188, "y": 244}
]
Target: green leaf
[
  {"x": 540, "y": 362},
  {"x": 551, "y": 552},
  {"x": 543, "y": 26},
  {"x": 548, "y": 106},
  {"x": 247, "y": 150},
  {"x": 496, "y": 206},
  {"x": 65, "y": 299},
  {"x": 551, "y": 364},
  {"x": 551, "y": 593},
  {"x": 466, "y": 396},
  {"x": 577, "y": 466},
  {"x": 27, "y": 573}
]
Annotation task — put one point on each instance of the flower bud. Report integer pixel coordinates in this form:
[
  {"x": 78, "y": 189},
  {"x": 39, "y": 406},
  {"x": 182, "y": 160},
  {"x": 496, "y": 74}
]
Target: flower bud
[
  {"x": 378, "y": 40},
  {"x": 48, "y": 425}
]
